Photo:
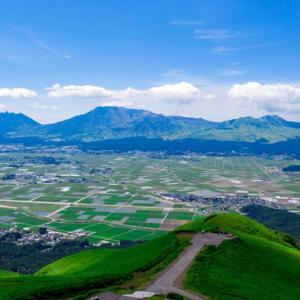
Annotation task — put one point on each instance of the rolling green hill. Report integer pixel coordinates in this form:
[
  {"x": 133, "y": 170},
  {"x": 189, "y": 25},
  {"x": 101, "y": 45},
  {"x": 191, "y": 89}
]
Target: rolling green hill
[
  {"x": 258, "y": 264},
  {"x": 5, "y": 274},
  {"x": 235, "y": 224},
  {"x": 91, "y": 269}
]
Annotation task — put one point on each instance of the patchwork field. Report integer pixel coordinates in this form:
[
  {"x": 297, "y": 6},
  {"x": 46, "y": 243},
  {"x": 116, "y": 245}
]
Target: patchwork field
[{"x": 117, "y": 197}]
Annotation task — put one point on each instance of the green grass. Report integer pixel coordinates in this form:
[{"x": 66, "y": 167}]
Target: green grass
[
  {"x": 257, "y": 264},
  {"x": 7, "y": 274},
  {"x": 99, "y": 261},
  {"x": 246, "y": 268},
  {"x": 232, "y": 223},
  {"x": 88, "y": 270},
  {"x": 178, "y": 215}
]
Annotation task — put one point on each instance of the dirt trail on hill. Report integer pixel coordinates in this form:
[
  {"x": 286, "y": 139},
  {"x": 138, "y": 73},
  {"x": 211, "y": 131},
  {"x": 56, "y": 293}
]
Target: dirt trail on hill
[{"x": 171, "y": 279}]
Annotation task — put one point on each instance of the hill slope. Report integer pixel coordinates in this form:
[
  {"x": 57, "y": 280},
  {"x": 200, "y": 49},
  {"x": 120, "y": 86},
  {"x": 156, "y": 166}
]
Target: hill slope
[
  {"x": 270, "y": 128},
  {"x": 258, "y": 264},
  {"x": 278, "y": 219},
  {"x": 246, "y": 268},
  {"x": 91, "y": 269}
]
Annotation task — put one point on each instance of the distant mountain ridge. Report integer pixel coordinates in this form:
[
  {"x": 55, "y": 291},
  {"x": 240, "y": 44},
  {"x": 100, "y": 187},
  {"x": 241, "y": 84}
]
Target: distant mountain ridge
[
  {"x": 118, "y": 122},
  {"x": 11, "y": 122},
  {"x": 104, "y": 123}
]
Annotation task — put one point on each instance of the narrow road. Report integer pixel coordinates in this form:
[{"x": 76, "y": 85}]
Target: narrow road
[{"x": 170, "y": 280}]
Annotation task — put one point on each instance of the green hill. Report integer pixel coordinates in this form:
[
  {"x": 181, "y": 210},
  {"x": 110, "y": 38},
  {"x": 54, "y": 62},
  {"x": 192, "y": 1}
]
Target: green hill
[
  {"x": 277, "y": 219},
  {"x": 5, "y": 274},
  {"x": 112, "y": 261},
  {"x": 235, "y": 224},
  {"x": 91, "y": 269},
  {"x": 258, "y": 264}
]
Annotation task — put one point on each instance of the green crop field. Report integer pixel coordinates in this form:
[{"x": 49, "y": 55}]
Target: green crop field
[{"x": 126, "y": 191}]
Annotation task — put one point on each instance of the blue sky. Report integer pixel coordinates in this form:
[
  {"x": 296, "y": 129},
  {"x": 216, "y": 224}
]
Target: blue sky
[{"x": 212, "y": 59}]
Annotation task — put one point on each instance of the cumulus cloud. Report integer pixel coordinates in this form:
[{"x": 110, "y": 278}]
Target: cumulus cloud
[
  {"x": 180, "y": 91},
  {"x": 276, "y": 97},
  {"x": 178, "y": 98},
  {"x": 124, "y": 103},
  {"x": 17, "y": 93}
]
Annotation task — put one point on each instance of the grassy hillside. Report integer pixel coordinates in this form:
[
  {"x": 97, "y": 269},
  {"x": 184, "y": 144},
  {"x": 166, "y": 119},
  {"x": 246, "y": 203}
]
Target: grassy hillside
[
  {"x": 112, "y": 261},
  {"x": 91, "y": 269},
  {"x": 5, "y": 274},
  {"x": 232, "y": 223},
  {"x": 258, "y": 264},
  {"x": 278, "y": 219}
]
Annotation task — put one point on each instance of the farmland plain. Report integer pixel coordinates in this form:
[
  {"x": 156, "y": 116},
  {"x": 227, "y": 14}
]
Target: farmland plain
[{"x": 121, "y": 197}]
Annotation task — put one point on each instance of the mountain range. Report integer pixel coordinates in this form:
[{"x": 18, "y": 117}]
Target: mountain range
[{"x": 103, "y": 123}]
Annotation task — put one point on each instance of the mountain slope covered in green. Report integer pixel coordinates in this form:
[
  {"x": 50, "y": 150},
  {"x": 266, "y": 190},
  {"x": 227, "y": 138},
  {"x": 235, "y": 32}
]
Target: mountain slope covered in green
[
  {"x": 104, "y": 123},
  {"x": 258, "y": 264}
]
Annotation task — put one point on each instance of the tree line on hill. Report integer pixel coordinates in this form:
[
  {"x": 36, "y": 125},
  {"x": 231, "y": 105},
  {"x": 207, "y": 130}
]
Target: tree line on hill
[{"x": 277, "y": 219}]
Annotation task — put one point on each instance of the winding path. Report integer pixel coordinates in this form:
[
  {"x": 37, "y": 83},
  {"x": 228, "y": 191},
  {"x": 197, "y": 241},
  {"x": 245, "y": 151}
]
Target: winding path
[{"x": 171, "y": 279}]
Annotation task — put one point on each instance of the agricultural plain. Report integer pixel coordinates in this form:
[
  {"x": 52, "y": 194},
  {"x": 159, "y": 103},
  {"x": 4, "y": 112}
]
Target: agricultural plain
[{"x": 122, "y": 197}]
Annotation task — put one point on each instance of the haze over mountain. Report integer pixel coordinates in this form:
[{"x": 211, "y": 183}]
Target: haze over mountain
[{"x": 118, "y": 122}]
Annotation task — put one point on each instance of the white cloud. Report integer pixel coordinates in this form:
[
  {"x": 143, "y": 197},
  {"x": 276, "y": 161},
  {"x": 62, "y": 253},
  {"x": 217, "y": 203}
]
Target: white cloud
[
  {"x": 179, "y": 98},
  {"x": 218, "y": 34},
  {"x": 276, "y": 97},
  {"x": 17, "y": 93},
  {"x": 211, "y": 101},
  {"x": 123, "y": 103},
  {"x": 226, "y": 49},
  {"x": 180, "y": 91},
  {"x": 67, "y": 56}
]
